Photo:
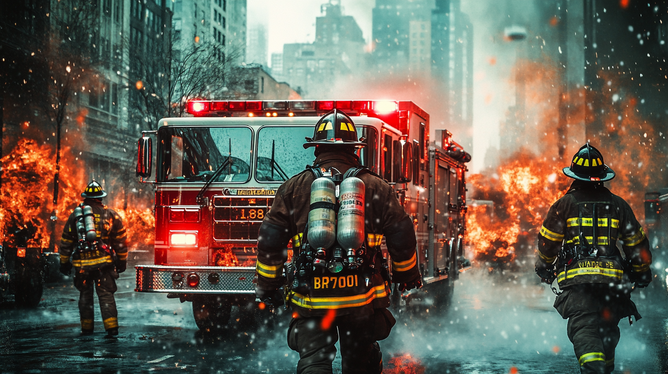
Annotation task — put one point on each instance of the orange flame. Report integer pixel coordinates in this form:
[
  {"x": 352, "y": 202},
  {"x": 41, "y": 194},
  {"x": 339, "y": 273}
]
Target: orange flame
[{"x": 511, "y": 201}]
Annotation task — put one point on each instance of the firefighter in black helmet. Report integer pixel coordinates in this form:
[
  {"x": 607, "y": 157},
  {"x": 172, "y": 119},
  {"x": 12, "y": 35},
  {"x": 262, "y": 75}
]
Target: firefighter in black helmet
[
  {"x": 356, "y": 313},
  {"x": 577, "y": 245},
  {"x": 94, "y": 243}
]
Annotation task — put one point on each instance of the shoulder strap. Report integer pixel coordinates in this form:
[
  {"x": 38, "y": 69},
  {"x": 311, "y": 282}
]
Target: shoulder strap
[{"x": 355, "y": 171}]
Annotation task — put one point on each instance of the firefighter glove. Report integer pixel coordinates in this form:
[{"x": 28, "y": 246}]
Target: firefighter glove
[
  {"x": 120, "y": 266},
  {"x": 268, "y": 300},
  {"x": 66, "y": 268},
  {"x": 545, "y": 271},
  {"x": 641, "y": 280},
  {"x": 409, "y": 285}
]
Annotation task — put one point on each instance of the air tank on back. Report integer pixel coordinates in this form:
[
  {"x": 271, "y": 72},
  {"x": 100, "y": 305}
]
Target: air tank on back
[
  {"x": 322, "y": 216},
  {"x": 350, "y": 233},
  {"x": 89, "y": 222},
  {"x": 78, "y": 218}
]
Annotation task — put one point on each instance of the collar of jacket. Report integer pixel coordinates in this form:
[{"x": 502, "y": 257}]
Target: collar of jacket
[
  {"x": 583, "y": 185},
  {"x": 327, "y": 158}
]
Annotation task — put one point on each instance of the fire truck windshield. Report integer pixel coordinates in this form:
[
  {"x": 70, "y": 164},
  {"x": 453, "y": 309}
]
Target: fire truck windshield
[
  {"x": 194, "y": 154},
  {"x": 280, "y": 152}
]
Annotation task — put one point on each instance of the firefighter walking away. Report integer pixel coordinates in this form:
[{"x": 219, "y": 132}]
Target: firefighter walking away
[
  {"x": 578, "y": 246},
  {"x": 94, "y": 243},
  {"x": 336, "y": 212}
]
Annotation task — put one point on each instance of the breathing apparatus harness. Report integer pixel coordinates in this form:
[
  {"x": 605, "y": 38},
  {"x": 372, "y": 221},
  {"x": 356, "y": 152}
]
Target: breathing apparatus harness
[
  {"x": 334, "y": 236},
  {"x": 88, "y": 246},
  {"x": 574, "y": 254}
]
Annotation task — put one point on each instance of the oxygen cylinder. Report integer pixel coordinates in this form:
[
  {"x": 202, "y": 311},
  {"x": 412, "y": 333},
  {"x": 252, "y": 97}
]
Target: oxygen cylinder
[
  {"x": 350, "y": 232},
  {"x": 322, "y": 216},
  {"x": 89, "y": 222},
  {"x": 78, "y": 218}
]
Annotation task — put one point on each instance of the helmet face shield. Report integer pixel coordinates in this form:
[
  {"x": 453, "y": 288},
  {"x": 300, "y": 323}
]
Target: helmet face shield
[
  {"x": 93, "y": 191},
  {"x": 587, "y": 165},
  {"x": 334, "y": 128}
]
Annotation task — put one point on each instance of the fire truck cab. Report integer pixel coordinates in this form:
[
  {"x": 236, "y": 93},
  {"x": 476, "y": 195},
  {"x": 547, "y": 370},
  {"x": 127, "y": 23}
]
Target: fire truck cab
[{"x": 216, "y": 172}]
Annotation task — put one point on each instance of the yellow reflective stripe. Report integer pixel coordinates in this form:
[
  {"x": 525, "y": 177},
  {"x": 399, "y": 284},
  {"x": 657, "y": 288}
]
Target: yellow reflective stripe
[
  {"x": 308, "y": 302},
  {"x": 578, "y": 161},
  {"x": 110, "y": 323},
  {"x": 64, "y": 259},
  {"x": 269, "y": 271},
  {"x": 610, "y": 362},
  {"x": 590, "y": 357},
  {"x": 602, "y": 240},
  {"x": 404, "y": 265},
  {"x": 86, "y": 324},
  {"x": 65, "y": 240},
  {"x": 92, "y": 262},
  {"x": 640, "y": 268},
  {"x": 635, "y": 239},
  {"x": 589, "y": 222},
  {"x": 547, "y": 259},
  {"x": 122, "y": 256},
  {"x": 571, "y": 273},
  {"x": 374, "y": 240},
  {"x": 297, "y": 240},
  {"x": 551, "y": 235}
]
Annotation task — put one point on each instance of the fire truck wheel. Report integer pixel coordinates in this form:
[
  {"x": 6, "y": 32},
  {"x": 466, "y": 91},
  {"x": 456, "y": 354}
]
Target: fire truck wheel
[
  {"x": 29, "y": 289},
  {"x": 211, "y": 314}
]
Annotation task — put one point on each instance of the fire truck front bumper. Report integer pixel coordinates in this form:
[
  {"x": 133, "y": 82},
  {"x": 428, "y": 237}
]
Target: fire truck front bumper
[{"x": 195, "y": 279}]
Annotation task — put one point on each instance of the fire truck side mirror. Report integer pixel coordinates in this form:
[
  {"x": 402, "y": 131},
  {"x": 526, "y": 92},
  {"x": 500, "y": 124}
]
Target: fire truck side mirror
[
  {"x": 403, "y": 159},
  {"x": 144, "y": 156}
]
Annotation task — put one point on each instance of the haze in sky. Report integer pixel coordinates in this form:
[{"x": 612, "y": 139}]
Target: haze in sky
[{"x": 293, "y": 21}]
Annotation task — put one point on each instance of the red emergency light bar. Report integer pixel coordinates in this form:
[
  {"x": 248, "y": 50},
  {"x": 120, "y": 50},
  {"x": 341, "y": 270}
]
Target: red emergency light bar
[{"x": 207, "y": 107}]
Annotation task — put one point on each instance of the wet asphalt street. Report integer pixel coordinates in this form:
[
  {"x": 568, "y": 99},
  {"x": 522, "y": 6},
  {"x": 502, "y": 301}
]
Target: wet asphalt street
[{"x": 498, "y": 323}]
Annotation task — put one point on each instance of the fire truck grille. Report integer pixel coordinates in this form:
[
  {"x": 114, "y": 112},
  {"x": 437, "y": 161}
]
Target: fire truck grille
[
  {"x": 236, "y": 231},
  {"x": 221, "y": 280}
]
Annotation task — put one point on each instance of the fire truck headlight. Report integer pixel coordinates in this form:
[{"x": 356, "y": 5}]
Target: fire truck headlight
[
  {"x": 193, "y": 280},
  {"x": 183, "y": 239}
]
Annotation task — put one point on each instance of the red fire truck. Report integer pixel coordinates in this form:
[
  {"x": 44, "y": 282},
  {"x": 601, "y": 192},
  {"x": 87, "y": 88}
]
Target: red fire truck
[{"x": 217, "y": 170}]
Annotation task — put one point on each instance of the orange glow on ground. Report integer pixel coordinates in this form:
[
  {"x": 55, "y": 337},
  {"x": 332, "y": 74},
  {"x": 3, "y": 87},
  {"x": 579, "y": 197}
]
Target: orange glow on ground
[{"x": 404, "y": 364}]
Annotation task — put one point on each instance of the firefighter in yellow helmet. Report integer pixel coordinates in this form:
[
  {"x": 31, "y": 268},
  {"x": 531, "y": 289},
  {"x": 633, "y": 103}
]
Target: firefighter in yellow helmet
[
  {"x": 94, "y": 243},
  {"x": 577, "y": 245},
  {"x": 336, "y": 292}
]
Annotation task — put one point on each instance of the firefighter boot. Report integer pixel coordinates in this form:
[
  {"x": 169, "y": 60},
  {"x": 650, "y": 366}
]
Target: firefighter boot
[{"x": 112, "y": 333}]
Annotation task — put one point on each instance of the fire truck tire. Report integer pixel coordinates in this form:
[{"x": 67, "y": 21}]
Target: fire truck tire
[
  {"x": 29, "y": 289},
  {"x": 211, "y": 313}
]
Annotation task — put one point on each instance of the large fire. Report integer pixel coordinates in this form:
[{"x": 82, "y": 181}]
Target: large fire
[
  {"x": 510, "y": 202},
  {"x": 26, "y": 202}
]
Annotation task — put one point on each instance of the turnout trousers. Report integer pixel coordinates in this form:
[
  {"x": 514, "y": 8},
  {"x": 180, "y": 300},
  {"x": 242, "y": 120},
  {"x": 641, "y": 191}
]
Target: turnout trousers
[
  {"x": 314, "y": 338},
  {"x": 104, "y": 284},
  {"x": 593, "y": 314}
]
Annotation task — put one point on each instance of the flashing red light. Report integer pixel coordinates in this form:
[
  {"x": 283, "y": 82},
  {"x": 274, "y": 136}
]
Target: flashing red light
[
  {"x": 384, "y": 107},
  {"x": 193, "y": 280},
  {"x": 361, "y": 105},
  {"x": 325, "y": 105},
  {"x": 191, "y": 215},
  {"x": 195, "y": 107},
  {"x": 237, "y": 105},
  {"x": 176, "y": 215},
  {"x": 253, "y": 105},
  {"x": 343, "y": 105},
  {"x": 219, "y": 105}
]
